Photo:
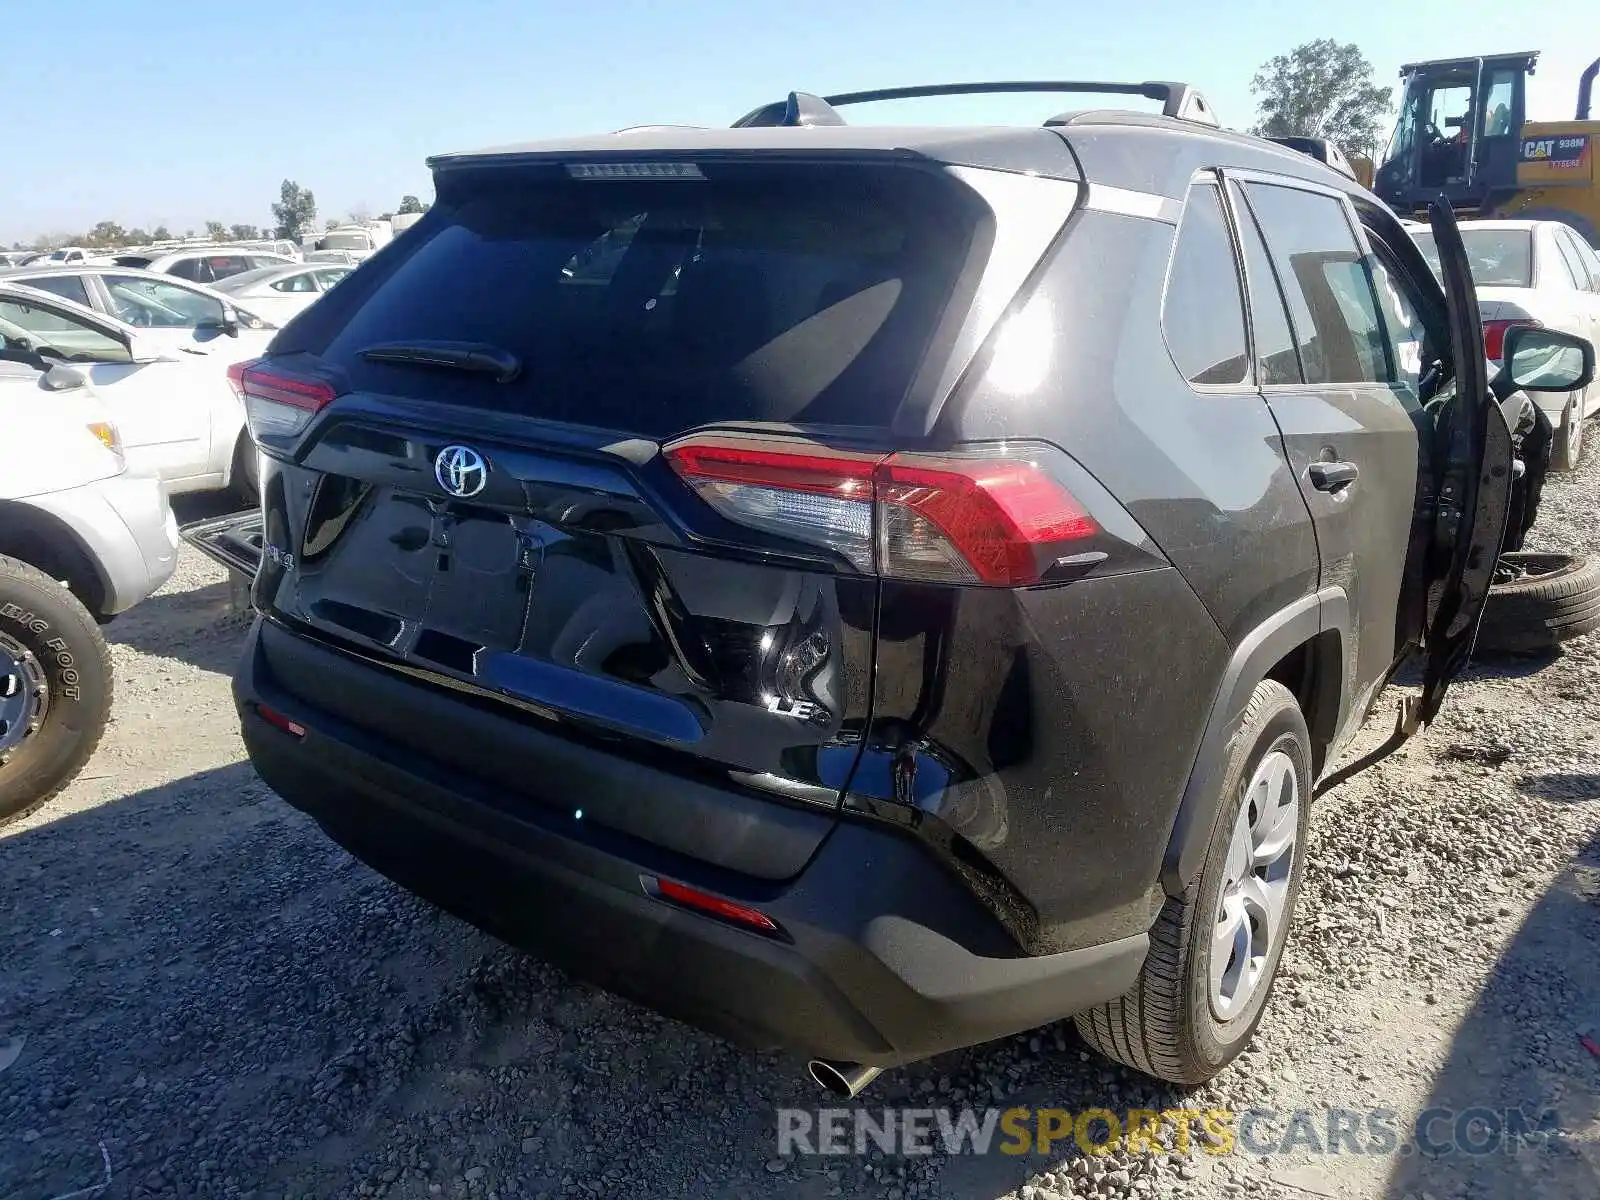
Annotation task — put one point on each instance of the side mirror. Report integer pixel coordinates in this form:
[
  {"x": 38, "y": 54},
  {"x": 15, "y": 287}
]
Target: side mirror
[
  {"x": 64, "y": 377},
  {"x": 1545, "y": 360},
  {"x": 143, "y": 351},
  {"x": 230, "y": 320}
]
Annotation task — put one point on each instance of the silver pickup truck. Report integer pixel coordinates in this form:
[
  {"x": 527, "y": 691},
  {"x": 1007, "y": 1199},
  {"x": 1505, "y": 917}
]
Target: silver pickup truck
[{"x": 81, "y": 540}]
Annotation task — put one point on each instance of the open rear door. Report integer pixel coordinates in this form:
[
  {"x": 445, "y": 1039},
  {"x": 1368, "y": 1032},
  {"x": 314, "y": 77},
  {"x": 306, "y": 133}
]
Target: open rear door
[
  {"x": 1474, "y": 451},
  {"x": 233, "y": 541}
]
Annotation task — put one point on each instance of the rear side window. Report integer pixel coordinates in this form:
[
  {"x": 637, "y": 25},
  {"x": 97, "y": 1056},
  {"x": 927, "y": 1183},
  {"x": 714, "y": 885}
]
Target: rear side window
[
  {"x": 68, "y": 287},
  {"x": 1327, "y": 282},
  {"x": 1202, "y": 315},
  {"x": 1276, "y": 360},
  {"x": 221, "y": 266},
  {"x": 804, "y": 294},
  {"x": 302, "y": 282},
  {"x": 139, "y": 300},
  {"x": 192, "y": 269}
]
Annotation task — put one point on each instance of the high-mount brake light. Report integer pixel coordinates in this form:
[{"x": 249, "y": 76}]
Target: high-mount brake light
[
  {"x": 1494, "y": 336},
  {"x": 634, "y": 170},
  {"x": 993, "y": 517},
  {"x": 277, "y": 404}
]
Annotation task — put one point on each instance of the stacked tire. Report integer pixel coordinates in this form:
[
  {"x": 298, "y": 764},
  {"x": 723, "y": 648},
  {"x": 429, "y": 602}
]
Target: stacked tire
[{"x": 1554, "y": 598}]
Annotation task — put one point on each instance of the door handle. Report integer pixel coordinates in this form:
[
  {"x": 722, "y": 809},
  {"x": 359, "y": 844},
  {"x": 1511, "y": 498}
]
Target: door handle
[{"x": 1332, "y": 476}]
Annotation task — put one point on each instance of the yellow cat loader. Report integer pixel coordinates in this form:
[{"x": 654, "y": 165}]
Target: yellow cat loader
[{"x": 1463, "y": 132}]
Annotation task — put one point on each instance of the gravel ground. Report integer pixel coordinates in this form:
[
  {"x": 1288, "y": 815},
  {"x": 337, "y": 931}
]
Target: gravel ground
[{"x": 212, "y": 999}]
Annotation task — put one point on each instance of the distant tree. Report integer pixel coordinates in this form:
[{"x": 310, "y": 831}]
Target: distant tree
[
  {"x": 386, "y": 216},
  {"x": 1321, "y": 89},
  {"x": 360, "y": 215},
  {"x": 137, "y": 237},
  {"x": 331, "y": 223},
  {"x": 105, "y": 233},
  {"x": 295, "y": 211},
  {"x": 161, "y": 233},
  {"x": 410, "y": 204},
  {"x": 188, "y": 233},
  {"x": 244, "y": 233},
  {"x": 216, "y": 230}
]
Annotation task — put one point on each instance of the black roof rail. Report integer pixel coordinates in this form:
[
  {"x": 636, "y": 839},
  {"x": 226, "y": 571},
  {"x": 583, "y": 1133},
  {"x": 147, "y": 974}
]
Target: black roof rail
[
  {"x": 1320, "y": 149},
  {"x": 801, "y": 108}
]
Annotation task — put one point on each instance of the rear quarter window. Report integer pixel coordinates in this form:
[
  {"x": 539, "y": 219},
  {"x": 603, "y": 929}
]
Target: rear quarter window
[
  {"x": 1202, "y": 314},
  {"x": 804, "y": 294}
]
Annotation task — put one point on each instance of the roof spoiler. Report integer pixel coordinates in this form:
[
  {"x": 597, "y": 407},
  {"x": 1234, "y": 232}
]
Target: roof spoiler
[{"x": 1178, "y": 100}]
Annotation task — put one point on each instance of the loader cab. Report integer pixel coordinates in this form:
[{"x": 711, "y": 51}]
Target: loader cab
[{"x": 1458, "y": 132}]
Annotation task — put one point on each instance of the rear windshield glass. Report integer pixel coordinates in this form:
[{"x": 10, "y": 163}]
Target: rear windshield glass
[
  {"x": 1499, "y": 257},
  {"x": 789, "y": 294},
  {"x": 346, "y": 241}
]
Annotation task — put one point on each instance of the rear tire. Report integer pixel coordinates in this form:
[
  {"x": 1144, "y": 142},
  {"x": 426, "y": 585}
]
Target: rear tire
[
  {"x": 246, "y": 472},
  {"x": 1184, "y": 1022},
  {"x": 55, "y": 688},
  {"x": 1556, "y": 599}
]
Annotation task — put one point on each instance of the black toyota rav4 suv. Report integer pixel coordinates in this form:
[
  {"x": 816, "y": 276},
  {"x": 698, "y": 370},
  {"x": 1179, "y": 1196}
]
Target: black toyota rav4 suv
[{"x": 872, "y": 590}]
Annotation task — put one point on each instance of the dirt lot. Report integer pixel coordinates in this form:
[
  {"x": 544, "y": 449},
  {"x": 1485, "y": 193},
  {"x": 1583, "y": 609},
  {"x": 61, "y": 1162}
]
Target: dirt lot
[{"x": 213, "y": 1000}]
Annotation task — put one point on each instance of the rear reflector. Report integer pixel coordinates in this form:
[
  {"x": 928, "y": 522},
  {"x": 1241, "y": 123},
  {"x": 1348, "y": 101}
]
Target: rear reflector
[
  {"x": 278, "y": 721},
  {"x": 277, "y": 404},
  {"x": 1494, "y": 337},
  {"x": 713, "y": 906},
  {"x": 988, "y": 517}
]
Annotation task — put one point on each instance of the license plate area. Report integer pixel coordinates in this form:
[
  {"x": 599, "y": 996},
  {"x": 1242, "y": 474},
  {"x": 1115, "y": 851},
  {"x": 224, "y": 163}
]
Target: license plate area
[
  {"x": 483, "y": 569},
  {"x": 437, "y": 582}
]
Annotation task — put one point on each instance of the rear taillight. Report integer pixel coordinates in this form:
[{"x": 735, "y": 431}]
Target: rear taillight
[
  {"x": 277, "y": 404},
  {"x": 992, "y": 516},
  {"x": 1494, "y": 337}
]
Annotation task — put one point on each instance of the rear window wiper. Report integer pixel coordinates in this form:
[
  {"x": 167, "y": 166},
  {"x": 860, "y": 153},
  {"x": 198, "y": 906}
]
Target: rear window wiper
[{"x": 476, "y": 357}]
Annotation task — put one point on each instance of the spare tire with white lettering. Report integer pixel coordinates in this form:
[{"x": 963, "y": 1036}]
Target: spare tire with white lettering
[
  {"x": 55, "y": 688},
  {"x": 1538, "y": 601}
]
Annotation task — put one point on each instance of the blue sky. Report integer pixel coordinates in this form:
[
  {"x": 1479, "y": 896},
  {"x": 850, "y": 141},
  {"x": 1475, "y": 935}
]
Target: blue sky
[{"x": 188, "y": 111}]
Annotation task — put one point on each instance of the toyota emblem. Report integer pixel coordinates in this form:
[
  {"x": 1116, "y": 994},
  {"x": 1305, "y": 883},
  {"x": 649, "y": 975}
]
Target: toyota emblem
[{"x": 461, "y": 471}]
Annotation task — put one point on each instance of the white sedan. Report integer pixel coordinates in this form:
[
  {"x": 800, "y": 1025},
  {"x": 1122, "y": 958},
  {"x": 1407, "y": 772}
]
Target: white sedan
[
  {"x": 283, "y": 292},
  {"x": 207, "y": 264},
  {"x": 1536, "y": 273},
  {"x": 160, "y": 365}
]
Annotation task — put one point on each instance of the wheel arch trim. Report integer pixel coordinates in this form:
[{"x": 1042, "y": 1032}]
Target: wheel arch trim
[
  {"x": 86, "y": 571},
  {"x": 1288, "y": 629}
]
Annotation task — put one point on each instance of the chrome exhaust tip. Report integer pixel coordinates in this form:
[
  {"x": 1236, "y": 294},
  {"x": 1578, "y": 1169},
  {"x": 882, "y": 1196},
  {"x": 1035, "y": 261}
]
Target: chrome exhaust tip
[{"x": 842, "y": 1079}]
